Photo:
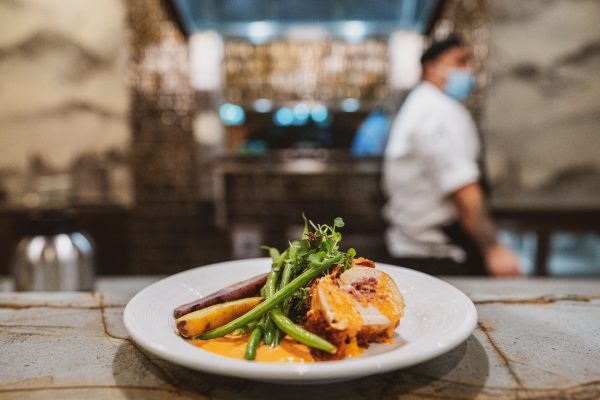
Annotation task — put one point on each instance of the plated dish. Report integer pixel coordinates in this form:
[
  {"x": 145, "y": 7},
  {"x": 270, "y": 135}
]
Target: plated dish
[
  {"x": 344, "y": 317},
  {"x": 317, "y": 303}
]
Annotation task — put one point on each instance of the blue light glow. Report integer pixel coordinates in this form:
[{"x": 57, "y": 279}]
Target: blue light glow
[
  {"x": 232, "y": 114},
  {"x": 350, "y": 105},
  {"x": 283, "y": 117},
  {"x": 354, "y": 31},
  {"x": 260, "y": 31},
  {"x": 301, "y": 114},
  {"x": 319, "y": 113},
  {"x": 263, "y": 105}
]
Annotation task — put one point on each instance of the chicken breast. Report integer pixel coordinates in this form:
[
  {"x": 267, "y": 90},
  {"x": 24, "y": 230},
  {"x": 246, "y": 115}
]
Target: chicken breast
[
  {"x": 358, "y": 307},
  {"x": 378, "y": 301}
]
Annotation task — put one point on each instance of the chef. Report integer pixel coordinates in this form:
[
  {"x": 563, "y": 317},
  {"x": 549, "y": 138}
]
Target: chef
[{"x": 436, "y": 211}]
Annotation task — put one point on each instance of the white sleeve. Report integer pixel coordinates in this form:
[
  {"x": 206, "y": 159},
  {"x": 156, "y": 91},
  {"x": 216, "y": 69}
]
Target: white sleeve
[{"x": 448, "y": 154}]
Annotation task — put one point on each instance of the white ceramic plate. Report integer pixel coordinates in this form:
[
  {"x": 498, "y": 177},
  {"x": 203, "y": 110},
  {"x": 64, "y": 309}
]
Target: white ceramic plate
[{"x": 438, "y": 317}]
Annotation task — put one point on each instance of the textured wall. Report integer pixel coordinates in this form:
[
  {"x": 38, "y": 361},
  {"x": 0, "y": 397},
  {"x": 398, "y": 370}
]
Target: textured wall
[
  {"x": 542, "y": 112},
  {"x": 62, "y": 89}
]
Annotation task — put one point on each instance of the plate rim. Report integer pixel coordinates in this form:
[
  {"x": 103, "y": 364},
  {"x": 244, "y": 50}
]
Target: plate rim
[{"x": 296, "y": 372}]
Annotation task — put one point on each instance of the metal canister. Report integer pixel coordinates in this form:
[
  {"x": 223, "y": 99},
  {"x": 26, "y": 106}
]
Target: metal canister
[{"x": 54, "y": 256}]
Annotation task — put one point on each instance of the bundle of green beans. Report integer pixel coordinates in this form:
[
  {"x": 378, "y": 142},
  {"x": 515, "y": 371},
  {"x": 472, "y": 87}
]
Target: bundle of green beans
[{"x": 286, "y": 290}]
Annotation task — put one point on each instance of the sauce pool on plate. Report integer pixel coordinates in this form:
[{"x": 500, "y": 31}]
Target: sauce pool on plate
[{"x": 235, "y": 347}]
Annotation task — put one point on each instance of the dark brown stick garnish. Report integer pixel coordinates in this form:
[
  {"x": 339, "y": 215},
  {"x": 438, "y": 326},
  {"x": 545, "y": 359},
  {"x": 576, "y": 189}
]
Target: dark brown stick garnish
[{"x": 248, "y": 288}]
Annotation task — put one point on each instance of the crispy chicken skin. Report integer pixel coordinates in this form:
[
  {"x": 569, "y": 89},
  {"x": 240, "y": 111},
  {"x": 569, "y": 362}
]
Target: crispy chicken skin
[
  {"x": 365, "y": 262},
  {"x": 359, "y": 306}
]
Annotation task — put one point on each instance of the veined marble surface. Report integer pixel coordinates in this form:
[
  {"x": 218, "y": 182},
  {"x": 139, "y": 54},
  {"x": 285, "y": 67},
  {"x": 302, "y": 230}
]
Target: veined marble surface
[
  {"x": 536, "y": 339},
  {"x": 62, "y": 67},
  {"x": 542, "y": 105}
]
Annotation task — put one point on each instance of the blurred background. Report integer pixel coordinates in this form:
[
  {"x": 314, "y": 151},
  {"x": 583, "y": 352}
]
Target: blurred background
[{"x": 188, "y": 132}]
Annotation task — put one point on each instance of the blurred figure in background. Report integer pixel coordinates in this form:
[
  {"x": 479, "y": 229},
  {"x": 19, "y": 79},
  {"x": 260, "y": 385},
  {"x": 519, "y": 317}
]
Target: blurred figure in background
[{"x": 436, "y": 214}]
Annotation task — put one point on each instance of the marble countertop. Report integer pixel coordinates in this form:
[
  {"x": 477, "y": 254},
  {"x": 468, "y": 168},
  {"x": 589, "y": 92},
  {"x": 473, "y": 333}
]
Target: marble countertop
[{"x": 536, "y": 339}]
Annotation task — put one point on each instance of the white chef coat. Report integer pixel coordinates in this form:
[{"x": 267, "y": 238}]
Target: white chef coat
[{"x": 431, "y": 152}]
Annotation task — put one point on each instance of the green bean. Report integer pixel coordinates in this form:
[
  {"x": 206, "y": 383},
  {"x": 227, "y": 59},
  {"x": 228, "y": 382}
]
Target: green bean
[
  {"x": 274, "y": 254},
  {"x": 278, "y": 335},
  {"x": 270, "y": 289},
  {"x": 253, "y": 343},
  {"x": 286, "y": 277},
  {"x": 269, "y": 331},
  {"x": 278, "y": 259},
  {"x": 299, "y": 333},
  {"x": 271, "y": 285},
  {"x": 312, "y": 272}
]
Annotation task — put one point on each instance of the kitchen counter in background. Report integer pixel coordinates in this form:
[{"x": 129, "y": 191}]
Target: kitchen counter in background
[
  {"x": 243, "y": 202},
  {"x": 536, "y": 338},
  {"x": 533, "y": 231}
]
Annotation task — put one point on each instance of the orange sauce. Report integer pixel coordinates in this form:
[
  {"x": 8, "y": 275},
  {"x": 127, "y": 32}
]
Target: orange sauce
[
  {"x": 346, "y": 315},
  {"x": 235, "y": 347},
  {"x": 386, "y": 304}
]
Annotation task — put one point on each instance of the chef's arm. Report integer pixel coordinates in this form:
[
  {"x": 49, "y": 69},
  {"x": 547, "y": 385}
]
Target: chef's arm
[{"x": 473, "y": 216}]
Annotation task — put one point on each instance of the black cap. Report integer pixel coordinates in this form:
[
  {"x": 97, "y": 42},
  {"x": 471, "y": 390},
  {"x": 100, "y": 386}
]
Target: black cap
[{"x": 438, "y": 47}]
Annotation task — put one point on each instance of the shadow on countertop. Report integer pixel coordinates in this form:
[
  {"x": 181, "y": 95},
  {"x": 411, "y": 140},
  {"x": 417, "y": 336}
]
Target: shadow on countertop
[{"x": 460, "y": 373}]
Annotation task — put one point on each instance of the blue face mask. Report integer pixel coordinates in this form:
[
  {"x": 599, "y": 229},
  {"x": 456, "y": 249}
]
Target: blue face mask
[{"x": 460, "y": 84}]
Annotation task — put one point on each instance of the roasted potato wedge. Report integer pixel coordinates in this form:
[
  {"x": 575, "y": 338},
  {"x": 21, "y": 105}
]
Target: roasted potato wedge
[{"x": 198, "y": 322}]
